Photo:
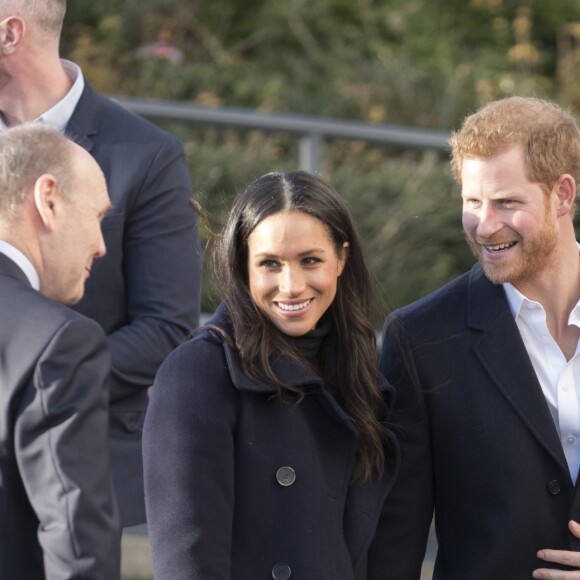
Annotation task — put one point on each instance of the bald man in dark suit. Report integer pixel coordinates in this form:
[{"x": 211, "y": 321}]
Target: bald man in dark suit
[{"x": 58, "y": 514}]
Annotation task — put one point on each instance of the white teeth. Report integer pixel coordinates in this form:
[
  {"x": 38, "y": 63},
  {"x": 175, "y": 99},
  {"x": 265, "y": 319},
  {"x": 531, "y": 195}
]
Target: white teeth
[
  {"x": 499, "y": 247},
  {"x": 291, "y": 307}
]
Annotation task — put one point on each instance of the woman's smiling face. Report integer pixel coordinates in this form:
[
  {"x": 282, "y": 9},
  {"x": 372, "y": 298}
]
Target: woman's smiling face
[{"x": 293, "y": 270}]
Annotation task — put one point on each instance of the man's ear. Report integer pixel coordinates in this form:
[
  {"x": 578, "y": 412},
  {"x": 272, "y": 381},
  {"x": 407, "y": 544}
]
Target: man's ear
[
  {"x": 12, "y": 31},
  {"x": 565, "y": 190},
  {"x": 48, "y": 200}
]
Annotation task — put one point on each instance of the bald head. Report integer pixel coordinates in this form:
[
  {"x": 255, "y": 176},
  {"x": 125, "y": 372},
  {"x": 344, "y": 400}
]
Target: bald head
[
  {"x": 53, "y": 196},
  {"x": 26, "y": 153}
]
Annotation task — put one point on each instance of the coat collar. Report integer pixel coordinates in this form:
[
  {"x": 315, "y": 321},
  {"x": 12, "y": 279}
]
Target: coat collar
[
  {"x": 486, "y": 301},
  {"x": 288, "y": 371},
  {"x": 84, "y": 123},
  {"x": 10, "y": 269},
  {"x": 502, "y": 353}
]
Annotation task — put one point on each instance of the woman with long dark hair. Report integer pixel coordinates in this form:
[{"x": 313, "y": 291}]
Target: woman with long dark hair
[{"x": 266, "y": 451}]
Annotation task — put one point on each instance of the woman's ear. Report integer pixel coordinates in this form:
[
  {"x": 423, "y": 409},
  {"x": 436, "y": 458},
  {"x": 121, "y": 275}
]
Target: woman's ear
[
  {"x": 342, "y": 257},
  {"x": 48, "y": 200}
]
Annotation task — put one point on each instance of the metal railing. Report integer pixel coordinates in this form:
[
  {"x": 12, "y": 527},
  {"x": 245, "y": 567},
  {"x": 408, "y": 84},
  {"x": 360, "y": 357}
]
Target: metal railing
[{"x": 312, "y": 131}]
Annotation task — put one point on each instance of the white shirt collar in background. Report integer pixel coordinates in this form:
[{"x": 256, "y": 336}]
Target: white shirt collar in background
[{"x": 59, "y": 115}]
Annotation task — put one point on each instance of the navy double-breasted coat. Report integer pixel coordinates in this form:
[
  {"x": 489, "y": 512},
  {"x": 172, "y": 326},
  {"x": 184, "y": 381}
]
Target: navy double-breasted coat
[{"x": 242, "y": 484}]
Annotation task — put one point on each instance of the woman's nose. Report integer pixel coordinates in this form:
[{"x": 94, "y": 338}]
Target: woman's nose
[{"x": 292, "y": 281}]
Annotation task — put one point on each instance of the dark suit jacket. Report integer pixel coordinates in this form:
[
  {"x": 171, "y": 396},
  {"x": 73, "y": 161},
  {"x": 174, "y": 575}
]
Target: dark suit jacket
[
  {"x": 145, "y": 292},
  {"x": 214, "y": 443},
  {"x": 58, "y": 518},
  {"x": 477, "y": 439}
]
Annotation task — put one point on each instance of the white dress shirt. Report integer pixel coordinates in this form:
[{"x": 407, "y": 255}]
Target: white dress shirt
[
  {"x": 22, "y": 262},
  {"x": 59, "y": 115},
  {"x": 559, "y": 378}
]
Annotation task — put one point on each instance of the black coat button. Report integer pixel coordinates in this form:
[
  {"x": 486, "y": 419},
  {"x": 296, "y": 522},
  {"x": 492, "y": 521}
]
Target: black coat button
[
  {"x": 285, "y": 476},
  {"x": 554, "y": 487},
  {"x": 281, "y": 572}
]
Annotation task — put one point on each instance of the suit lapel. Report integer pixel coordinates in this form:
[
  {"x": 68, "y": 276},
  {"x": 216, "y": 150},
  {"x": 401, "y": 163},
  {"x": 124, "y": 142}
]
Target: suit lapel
[
  {"x": 503, "y": 355},
  {"x": 84, "y": 123},
  {"x": 12, "y": 270}
]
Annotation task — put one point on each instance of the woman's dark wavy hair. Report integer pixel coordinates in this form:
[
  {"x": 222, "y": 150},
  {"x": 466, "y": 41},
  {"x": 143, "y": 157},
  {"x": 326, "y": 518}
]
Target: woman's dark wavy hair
[{"x": 350, "y": 351}]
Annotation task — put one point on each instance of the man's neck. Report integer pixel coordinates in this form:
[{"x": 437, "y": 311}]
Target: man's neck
[
  {"x": 32, "y": 91},
  {"x": 557, "y": 289}
]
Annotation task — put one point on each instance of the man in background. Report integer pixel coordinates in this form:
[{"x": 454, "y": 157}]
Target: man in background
[
  {"x": 487, "y": 369},
  {"x": 145, "y": 293},
  {"x": 58, "y": 516}
]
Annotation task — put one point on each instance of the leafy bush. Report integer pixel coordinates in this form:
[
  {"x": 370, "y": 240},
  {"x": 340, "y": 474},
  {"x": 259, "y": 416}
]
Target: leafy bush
[{"x": 409, "y": 62}]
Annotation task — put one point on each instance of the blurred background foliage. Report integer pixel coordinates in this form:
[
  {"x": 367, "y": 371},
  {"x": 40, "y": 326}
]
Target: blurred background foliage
[{"x": 425, "y": 63}]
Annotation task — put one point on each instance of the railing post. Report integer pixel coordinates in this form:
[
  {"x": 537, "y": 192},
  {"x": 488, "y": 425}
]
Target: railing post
[{"x": 310, "y": 152}]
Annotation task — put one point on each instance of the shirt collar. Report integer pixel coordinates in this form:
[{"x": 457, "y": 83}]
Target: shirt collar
[
  {"x": 22, "y": 262},
  {"x": 516, "y": 300},
  {"x": 59, "y": 115}
]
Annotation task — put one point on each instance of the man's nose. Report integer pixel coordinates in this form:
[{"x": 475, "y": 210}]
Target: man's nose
[
  {"x": 102, "y": 249},
  {"x": 488, "y": 221}
]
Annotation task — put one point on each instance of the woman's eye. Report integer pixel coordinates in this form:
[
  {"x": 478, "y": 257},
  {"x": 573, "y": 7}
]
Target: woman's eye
[{"x": 311, "y": 260}]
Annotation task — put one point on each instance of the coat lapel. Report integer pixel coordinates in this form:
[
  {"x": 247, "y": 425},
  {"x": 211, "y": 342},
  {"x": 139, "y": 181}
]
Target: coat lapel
[
  {"x": 502, "y": 353},
  {"x": 12, "y": 270},
  {"x": 84, "y": 123}
]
